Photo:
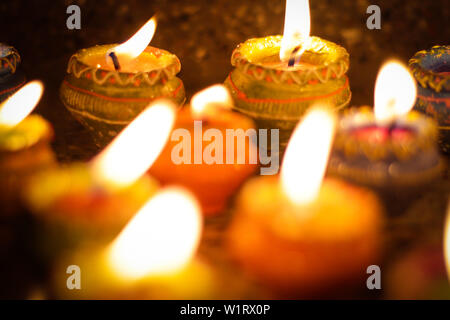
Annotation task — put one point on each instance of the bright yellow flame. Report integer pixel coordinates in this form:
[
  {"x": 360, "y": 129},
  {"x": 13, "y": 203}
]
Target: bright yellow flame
[
  {"x": 160, "y": 239},
  {"x": 135, "y": 149},
  {"x": 21, "y": 104},
  {"x": 395, "y": 92},
  {"x": 447, "y": 242},
  {"x": 134, "y": 46},
  {"x": 205, "y": 101},
  {"x": 297, "y": 28},
  {"x": 307, "y": 155}
]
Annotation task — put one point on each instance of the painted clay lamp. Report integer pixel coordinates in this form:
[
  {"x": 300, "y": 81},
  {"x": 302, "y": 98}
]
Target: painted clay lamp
[
  {"x": 11, "y": 76},
  {"x": 431, "y": 69},
  {"x": 107, "y": 86},
  {"x": 391, "y": 148},
  {"x": 92, "y": 202},
  {"x": 200, "y": 157}
]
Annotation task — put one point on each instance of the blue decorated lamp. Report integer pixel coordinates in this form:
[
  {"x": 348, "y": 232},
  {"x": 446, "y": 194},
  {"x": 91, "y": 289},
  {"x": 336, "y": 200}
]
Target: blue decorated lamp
[
  {"x": 431, "y": 69},
  {"x": 11, "y": 78}
]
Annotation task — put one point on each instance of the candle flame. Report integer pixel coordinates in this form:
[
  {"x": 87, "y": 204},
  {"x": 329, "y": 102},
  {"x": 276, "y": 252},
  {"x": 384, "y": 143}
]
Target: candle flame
[
  {"x": 134, "y": 46},
  {"x": 395, "y": 92},
  {"x": 21, "y": 104},
  {"x": 297, "y": 28},
  {"x": 447, "y": 242},
  {"x": 161, "y": 238},
  {"x": 307, "y": 155},
  {"x": 205, "y": 101},
  {"x": 135, "y": 149}
]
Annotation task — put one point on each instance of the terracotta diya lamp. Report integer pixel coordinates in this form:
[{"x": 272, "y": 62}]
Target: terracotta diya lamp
[
  {"x": 278, "y": 78},
  {"x": 24, "y": 144},
  {"x": 203, "y": 154},
  {"x": 431, "y": 69},
  {"x": 301, "y": 236},
  {"x": 152, "y": 258},
  {"x": 92, "y": 202},
  {"x": 391, "y": 149},
  {"x": 11, "y": 77},
  {"x": 107, "y": 86}
]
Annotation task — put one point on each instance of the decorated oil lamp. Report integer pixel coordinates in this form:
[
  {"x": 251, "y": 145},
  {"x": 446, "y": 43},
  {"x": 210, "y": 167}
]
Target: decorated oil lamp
[
  {"x": 92, "y": 202},
  {"x": 24, "y": 144},
  {"x": 107, "y": 86},
  {"x": 277, "y": 78},
  {"x": 11, "y": 77},
  {"x": 201, "y": 157},
  {"x": 431, "y": 69},
  {"x": 152, "y": 258},
  {"x": 298, "y": 234},
  {"x": 390, "y": 149}
]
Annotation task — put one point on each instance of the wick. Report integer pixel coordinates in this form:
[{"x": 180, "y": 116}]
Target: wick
[
  {"x": 392, "y": 127},
  {"x": 115, "y": 61},
  {"x": 293, "y": 57}
]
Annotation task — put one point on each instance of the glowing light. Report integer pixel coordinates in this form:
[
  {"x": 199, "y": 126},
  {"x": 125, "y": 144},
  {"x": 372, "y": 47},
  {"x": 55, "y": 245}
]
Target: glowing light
[
  {"x": 134, "y": 46},
  {"x": 135, "y": 149},
  {"x": 447, "y": 242},
  {"x": 297, "y": 28},
  {"x": 160, "y": 239},
  {"x": 307, "y": 155},
  {"x": 205, "y": 101},
  {"x": 395, "y": 92},
  {"x": 21, "y": 104}
]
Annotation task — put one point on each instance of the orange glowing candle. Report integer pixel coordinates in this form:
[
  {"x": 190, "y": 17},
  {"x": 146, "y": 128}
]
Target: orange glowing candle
[
  {"x": 390, "y": 148},
  {"x": 154, "y": 256},
  {"x": 93, "y": 201},
  {"x": 201, "y": 157},
  {"x": 299, "y": 234},
  {"x": 107, "y": 86}
]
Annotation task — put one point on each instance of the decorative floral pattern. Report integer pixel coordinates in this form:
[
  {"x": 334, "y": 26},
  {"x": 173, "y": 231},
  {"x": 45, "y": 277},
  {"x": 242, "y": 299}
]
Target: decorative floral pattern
[{"x": 100, "y": 76}]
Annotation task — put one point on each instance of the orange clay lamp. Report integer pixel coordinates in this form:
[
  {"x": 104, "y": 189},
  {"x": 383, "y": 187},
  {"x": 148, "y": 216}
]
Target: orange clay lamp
[
  {"x": 202, "y": 157},
  {"x": 24, "y": 144},
  {"x": 107, "y": 86},
  {"x": 276, "y": 79},
  {"x": 301, "y": 235},
  {"x": 93, "y": 201}
]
